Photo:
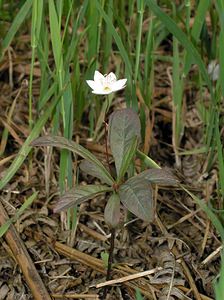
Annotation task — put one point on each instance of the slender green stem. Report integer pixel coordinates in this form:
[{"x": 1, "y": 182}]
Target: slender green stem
[
  {"x": 188, "y": 14},
  {"x": 140, "y": 4},
  {"x": 33, "y": 46},
  {"x": 106, "y": 135}
]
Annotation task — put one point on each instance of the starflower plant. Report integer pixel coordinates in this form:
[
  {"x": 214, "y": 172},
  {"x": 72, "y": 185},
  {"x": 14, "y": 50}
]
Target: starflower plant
[
  {"x": 106, "y": 84},
  {"x": 134, "y": 193},
  {"x": 120, "y": 189}
]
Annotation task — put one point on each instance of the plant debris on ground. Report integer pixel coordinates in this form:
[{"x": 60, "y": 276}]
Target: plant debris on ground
[{"x": 176, "y": 255}]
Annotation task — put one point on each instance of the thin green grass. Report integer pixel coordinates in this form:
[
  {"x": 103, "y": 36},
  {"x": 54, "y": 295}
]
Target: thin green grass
[
  {"x": 219, "y": 282},
  {"x": 138, "y": 295},
  {"x": 26, "y": 148},
  {"x": 37, "y": 11},
  {"x": 199, "y": 19},
  {"x": 17, "y": 214},
  {"x": 177, "y": 91},
  {"x": 18, "y": 20},
  {"x": 140, "y": 9}
]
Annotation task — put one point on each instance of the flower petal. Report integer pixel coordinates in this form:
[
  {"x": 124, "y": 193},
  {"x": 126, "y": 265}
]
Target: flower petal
[
  {"x": 111, "y": 77},
  {"x": 102, "y": 92},
  {"x": 91, "y": 83},
  {"x": 119, "y": 85},
  {"x": 98, "y": 77}
]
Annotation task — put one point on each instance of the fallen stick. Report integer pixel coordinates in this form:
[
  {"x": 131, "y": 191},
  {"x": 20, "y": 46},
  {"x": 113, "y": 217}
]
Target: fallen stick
[
  {"x": 23, "y": 259},
  {"x": 128, "y": 277},
  {"x": 76, "y": 296}
]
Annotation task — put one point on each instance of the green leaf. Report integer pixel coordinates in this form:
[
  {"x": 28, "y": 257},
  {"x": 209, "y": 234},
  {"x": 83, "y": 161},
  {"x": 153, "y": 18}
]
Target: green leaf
[
  {"x": 138, "y": 294},
  {"x": 25, "y": 205},
  {"x": 128, "y": 156},
  {"x": 18, "y": 20},
  {"x": 105, "y": 257},
  {"x": 220, "y": 155},
  {"x": 211, "y": 215},
  {"x": 63, "y": 143},
  {"x": 182, "y": 38},
  {"x": 24, "y": 151},
  {"x": 219, "y": 282},
  {"x": 220, "y": 10},
  {"x": 55, "y": 34},
  {"x": 112, "y": 211},
  {"x": 136, "y": 195},
  {"x": 147, "y": 160},
  {"x": 124, "y": 125},
  {"x": 5, "y": 227},
  {"x": 78, "y": 195},
  {"x": 159, "y": 176},
  {"x": 93, "y": 170},
  {"x": 199, "y": 19}
]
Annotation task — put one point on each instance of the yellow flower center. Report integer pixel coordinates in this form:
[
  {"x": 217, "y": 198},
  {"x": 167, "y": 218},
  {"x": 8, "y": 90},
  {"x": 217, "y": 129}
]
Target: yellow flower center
[{"x": 106, "y": 88}]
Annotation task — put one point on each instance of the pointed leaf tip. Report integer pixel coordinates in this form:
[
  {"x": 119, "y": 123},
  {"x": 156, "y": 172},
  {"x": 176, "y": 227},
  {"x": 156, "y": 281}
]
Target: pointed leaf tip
[
  {"x": 160, "y": 176},
  {"x": 124, "y": 125},
  {"x": 79, "y": 194}
]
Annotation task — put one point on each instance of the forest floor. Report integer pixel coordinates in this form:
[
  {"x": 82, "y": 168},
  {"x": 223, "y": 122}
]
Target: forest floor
[{"x": 180, "y": 249}]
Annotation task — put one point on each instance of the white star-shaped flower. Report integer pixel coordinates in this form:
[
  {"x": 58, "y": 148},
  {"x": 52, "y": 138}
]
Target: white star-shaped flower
[
  {"x": 213, "y": 70},
  {"x": 106, "y": 84}
]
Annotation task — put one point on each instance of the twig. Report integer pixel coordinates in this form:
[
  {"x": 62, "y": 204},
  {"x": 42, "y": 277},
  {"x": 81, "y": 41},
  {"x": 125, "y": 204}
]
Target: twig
[
  {"x": 75, "y": 296},
  {"x": 128, "y": 277},
  {"x": 22, "y": 257},
  {"x": 212, "y": 255}
]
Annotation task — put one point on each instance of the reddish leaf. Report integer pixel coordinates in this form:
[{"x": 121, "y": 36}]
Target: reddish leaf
[
  {"x": 93, "y": 170},
  {"x": 160, "y": 176},
  {"x": 124, "y": 125},
  {"x": 112, "y": 211},
  {"x": 63, "y": 143},
  {"x": 78, "y": 195},
  {"x": 136, "y": 195}
]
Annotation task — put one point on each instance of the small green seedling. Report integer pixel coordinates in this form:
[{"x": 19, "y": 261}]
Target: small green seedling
[
  {"x": 138, "y": 295},
  {"x": 105, "y": 258}
]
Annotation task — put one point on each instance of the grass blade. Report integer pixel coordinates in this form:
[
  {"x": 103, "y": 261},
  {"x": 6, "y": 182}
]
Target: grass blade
[
  {"x": 220, "y": 10},
  {"x": 19, "y": 212},
  {"x": 199, "y": 19},
  {"x": 35, "y": 31},
  {"x": 182, "y": 38},
  {"x": 219, "y": 283},
  {"x": 211, "y": 215},
  {"x": 19, "y": 19},
  {"x": 220, "y": 158},
  {"x": 24, "y": 151}
]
